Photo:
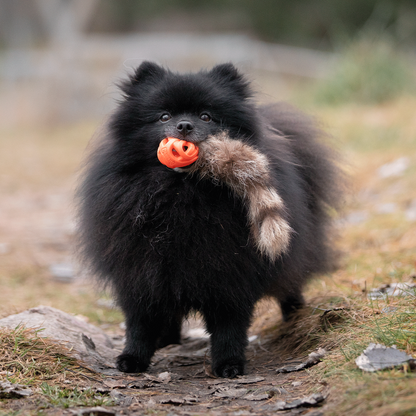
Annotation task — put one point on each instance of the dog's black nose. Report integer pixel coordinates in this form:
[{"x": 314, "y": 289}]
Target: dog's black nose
[{"x": 184, "y": 127}]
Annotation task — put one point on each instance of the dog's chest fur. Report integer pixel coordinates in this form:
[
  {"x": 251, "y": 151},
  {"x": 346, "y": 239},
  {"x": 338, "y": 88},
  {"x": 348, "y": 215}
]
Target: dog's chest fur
[{"x": 194, "y": 231}]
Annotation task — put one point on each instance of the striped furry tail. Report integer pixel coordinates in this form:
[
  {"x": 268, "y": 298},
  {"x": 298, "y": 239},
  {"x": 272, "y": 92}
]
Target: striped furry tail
[{"x": 246, "y": 172}]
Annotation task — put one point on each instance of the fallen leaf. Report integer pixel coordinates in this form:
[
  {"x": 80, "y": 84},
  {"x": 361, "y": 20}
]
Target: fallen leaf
[
  {"x": 393, "y": 289},
  {"x": 114, "y": 384},
  {"x": 179, "y": 400},
  {"x": 94, "y": 411},
  {"x": 9, "y": 390},
  {"x": 309, "y": 401},
  {"x": 116, "y": 395},
  {"x": 248, "y": 380},
  {"x": 172, "y": 400},
  {"x": 257, "y": 397},
  {"x": 313, "y": 358},
  {"x": 238, "y": 380},
  {"x": 378, "y": 357},
  {"x": 230, "y": 392},
  {"x": 165, "y": 377}
]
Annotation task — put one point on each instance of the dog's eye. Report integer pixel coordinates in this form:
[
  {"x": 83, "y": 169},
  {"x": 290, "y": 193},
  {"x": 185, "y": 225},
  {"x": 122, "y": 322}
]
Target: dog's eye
[
  {"x": 205, "y": 117},
  {"x": 165, "y": 117}
]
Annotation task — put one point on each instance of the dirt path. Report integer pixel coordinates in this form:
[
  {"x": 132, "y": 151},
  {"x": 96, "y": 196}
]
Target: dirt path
[{"x": 179, "y": 381}]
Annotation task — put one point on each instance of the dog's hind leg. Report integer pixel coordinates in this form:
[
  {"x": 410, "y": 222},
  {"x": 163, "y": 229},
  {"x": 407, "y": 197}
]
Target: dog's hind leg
[
  {"x": 290, "y": 304},
  {"x": 290, "y": 301}
]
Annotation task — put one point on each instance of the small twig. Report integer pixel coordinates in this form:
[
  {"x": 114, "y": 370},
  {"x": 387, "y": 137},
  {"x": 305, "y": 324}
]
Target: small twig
[{"x": 334, "y": 309}]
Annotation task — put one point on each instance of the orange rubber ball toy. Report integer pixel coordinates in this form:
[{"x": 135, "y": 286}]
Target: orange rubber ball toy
[{"x": 176, "y": 153}]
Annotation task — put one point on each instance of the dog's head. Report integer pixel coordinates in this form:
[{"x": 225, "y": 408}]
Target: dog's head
[{"x": 158, "y": 103}]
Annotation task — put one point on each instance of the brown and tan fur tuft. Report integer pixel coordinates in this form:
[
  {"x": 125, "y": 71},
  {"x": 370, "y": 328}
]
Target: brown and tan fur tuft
[{"x": 246, "y": 172}]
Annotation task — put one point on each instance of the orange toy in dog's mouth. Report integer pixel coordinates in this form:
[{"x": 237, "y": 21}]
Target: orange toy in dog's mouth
[{"x": 176, "y": 153}]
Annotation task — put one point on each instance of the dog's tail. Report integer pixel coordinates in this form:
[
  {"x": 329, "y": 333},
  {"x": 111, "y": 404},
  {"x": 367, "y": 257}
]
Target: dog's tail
[{"x": 246, "y": 172}]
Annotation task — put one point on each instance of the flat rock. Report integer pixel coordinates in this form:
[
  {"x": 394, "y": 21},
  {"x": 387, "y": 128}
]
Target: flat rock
[{"x": 89, "y": 343}]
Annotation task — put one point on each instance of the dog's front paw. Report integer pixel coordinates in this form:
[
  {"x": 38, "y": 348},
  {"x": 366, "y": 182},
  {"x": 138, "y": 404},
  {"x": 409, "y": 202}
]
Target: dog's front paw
[
  {"x": 128, "y": 363},
  {"x": 229, "y": 369}
]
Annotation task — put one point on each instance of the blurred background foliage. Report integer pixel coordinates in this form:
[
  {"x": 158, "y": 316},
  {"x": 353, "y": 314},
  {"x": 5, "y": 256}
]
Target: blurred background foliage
[
  {"x": 365, "y": 34},
  {"x": 370, "y": 69},
  {"x": 319, "y": 24}
]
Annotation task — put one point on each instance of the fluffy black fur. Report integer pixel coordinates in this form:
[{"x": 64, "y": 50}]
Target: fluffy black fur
[{"x": 169, "y": 242}]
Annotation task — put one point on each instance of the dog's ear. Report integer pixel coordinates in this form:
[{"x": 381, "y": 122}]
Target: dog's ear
[
  {"x": 228, "y": 75},
  {"x": 227, "y": 71},
  {"x": 147, "y": 71}
]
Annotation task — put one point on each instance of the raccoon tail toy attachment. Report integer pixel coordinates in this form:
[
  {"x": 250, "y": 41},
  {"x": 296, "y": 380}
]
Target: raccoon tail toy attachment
[{"x": 246, "y": 172}]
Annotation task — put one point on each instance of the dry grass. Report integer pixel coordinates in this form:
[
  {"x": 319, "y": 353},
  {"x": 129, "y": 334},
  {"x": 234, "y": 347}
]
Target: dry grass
[
  {"x": 29, "y": 359},
  {"x": 344, "y": 326},
  {"x": 379, "y": 249},
  {"x": 49, "y": 369}
]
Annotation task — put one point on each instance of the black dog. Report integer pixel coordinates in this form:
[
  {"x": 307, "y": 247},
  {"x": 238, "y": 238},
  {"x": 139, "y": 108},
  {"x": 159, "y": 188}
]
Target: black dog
[{"x": 249, "y": 218}]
